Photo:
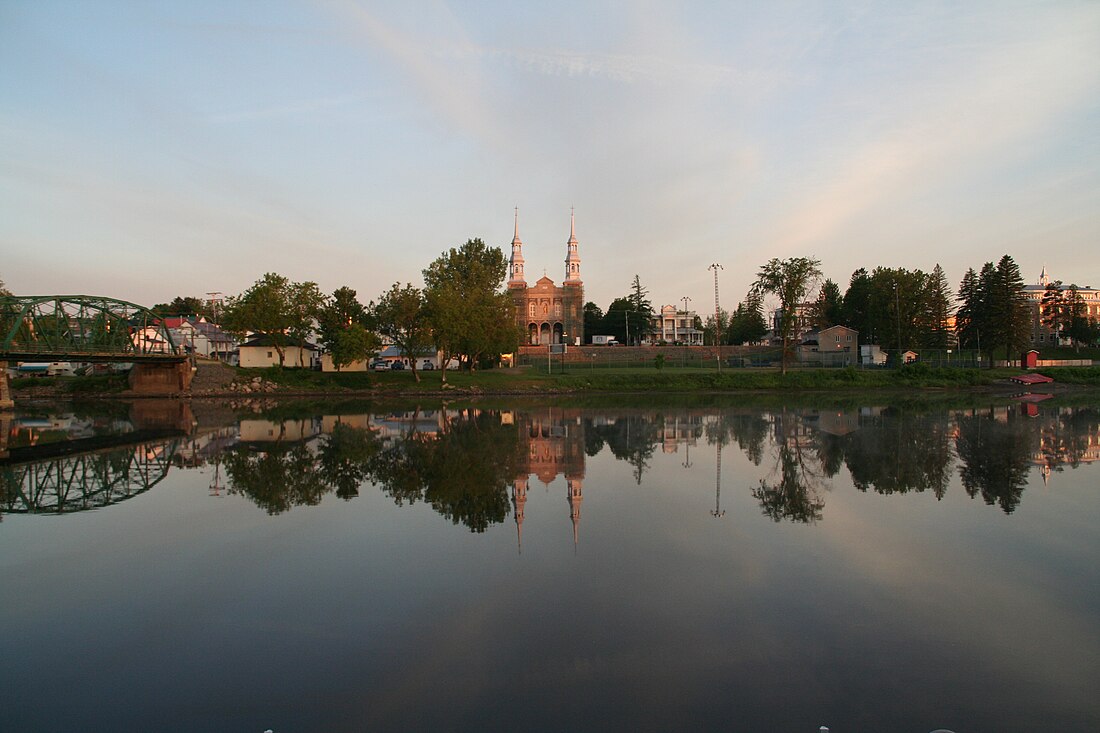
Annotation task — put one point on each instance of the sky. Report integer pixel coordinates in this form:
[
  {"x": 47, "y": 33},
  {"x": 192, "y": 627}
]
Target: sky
[{"x": 156, "y": 149}]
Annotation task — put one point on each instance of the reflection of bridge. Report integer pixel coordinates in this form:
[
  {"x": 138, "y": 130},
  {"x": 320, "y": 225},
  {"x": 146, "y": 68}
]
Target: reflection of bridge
[
  {"x": 83, "y": 328},
  {"x": 92, "y": 480}
]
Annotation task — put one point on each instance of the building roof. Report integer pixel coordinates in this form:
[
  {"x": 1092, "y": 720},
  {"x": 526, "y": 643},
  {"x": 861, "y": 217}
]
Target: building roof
[{"x": 263, "y": 340}]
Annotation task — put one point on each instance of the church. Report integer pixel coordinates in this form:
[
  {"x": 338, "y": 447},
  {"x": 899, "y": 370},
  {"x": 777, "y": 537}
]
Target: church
[{"x": 547, "y": 313}]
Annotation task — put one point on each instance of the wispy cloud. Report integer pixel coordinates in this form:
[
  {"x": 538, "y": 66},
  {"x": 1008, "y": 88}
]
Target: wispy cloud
[{"x": 951, "y": 129}]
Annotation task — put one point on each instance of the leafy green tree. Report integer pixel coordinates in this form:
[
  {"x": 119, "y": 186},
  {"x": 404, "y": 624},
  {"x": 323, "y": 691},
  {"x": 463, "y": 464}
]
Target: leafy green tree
[
  {"x": 593, "y": 320},
  {"x": 621, "y": 321},
  {"x": 345, "y": 330},
  {"x": 712, "y": 333},
  {"x": 265, "y": 309},
  {"x": 401, "y": 316},
  {"x": 306, "y": 301},
  {"x": 182, "y": 306},
  {"x": 856, "y": 307},
  {"x": 789, "y": 280},
  {"x": 470, "y": 315}
]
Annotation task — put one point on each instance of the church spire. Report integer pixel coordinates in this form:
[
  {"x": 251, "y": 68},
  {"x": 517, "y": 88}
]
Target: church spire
[
  {"x": 572, "y": 257},
  {"x": 516, "y": 278}
]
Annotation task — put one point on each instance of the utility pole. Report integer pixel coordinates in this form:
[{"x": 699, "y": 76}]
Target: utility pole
[
  {"x": 215, "y": 298},
  {"x": 717, "y": 326},
  {"x": 685, "y": 299}
]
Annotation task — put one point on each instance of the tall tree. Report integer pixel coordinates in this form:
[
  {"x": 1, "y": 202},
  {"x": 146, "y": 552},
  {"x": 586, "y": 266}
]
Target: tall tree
[
  {"x": 789, "y": 280},
  {"x": 639, "y": 300},
  {"x": 621, "y": 321},
  {"x": 470, "y": 315},
  {"x": 401, "y": 316},
  {"x": 967, "y": 318},
  {"x": 829, "y": 308},
  {"x": 1007, "y": 308},
  {"x": 856, "y": 307},
  {"x": 936, "y": 311},
  {"x": 345, "y": 330},
  {"x": 305, "y": 303},
  {"x": 593, "y": 320},
  {"x": 263, "y": 309},
  {"x": 747, "y": 323}
]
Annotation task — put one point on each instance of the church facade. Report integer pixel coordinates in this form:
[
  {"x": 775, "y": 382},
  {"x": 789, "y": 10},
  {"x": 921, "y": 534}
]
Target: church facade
[{"x": 547, "y": 313}]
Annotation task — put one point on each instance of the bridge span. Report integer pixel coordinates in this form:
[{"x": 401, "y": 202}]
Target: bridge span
[{"x": 94, "y": 329}]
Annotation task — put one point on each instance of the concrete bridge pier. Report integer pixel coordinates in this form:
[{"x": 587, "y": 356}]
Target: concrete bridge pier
[
  {"x": 6, "y": 402},
  {"x": 5, "y": 433},
  {"x": 161, "y": 379}
]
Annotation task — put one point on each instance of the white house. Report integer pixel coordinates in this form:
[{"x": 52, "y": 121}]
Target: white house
[{"x": 258, "y": 353}]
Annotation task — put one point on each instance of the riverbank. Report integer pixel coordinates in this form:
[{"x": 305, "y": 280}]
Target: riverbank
[{"x": 216, "y": 380}]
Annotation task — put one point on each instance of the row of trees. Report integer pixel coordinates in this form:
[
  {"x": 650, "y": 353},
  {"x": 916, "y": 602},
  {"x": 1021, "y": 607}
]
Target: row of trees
[
  {"x": 628, "y": 318},
  {"x": 461, "y": 311}
]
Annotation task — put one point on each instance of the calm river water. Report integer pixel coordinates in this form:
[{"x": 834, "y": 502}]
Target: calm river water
[{"x": 867, "y": 567}]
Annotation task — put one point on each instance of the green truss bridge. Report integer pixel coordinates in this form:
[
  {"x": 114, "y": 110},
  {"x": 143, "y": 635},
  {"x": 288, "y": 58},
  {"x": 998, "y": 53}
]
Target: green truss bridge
[{"x": 86, "y": 328}]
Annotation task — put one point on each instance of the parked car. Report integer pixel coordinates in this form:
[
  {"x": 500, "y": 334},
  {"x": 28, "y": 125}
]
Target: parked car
[
  {"x": 397, "y": 366},
  {"x": 379, "y": 366},
  {"x": 428, "y": 366}
]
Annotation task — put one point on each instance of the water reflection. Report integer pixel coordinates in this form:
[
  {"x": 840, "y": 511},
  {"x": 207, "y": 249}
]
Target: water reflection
[{"x": 474, "y": 466}]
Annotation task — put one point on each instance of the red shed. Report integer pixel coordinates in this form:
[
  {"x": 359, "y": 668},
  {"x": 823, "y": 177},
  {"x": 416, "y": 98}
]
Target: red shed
[{"x": 1030, "y": 359}]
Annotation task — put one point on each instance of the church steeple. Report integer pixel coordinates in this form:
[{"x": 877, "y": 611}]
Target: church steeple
[
  {"x": 516, "y": 278},
  {"x": 572, "y": 258}
]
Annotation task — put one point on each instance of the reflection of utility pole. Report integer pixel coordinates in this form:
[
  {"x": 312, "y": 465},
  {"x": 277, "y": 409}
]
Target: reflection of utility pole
[
  {"x": 718, "y": 512},
  {"x": 216, "y": 484},
  {"x": 717, "y": 326}
]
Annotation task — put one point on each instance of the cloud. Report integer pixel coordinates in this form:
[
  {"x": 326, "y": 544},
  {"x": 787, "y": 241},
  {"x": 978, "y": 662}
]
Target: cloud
[{"x": 950, "y": 129}]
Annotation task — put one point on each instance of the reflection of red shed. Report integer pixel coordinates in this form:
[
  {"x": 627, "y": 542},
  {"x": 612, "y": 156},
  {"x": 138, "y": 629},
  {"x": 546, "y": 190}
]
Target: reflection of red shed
[{"x": 1030, "y": 359}]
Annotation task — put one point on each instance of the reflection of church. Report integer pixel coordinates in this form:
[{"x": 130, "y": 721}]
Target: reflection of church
[
  {"x": 546, "y": 313},
  {"x": 555, "y": 440}
]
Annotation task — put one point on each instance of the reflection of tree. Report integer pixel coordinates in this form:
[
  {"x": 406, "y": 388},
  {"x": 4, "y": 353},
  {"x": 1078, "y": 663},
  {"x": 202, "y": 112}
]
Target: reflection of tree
[
  {"x": 900, "y": 452},
  {"x": 463, "y": 472},
  {"x": 1067, "y": 437},
  {"x": 631, "y": 438},
  {"x": 277, "y": 477},
  {"x": 749, "y": 429},
  {"x": 796, "y": 495},
  {"x": 344, "y": 458},
  {"x": 996, "y": 458}
]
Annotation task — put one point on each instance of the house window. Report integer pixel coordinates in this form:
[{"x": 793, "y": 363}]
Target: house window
[{"x": 269, "y": 355}]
